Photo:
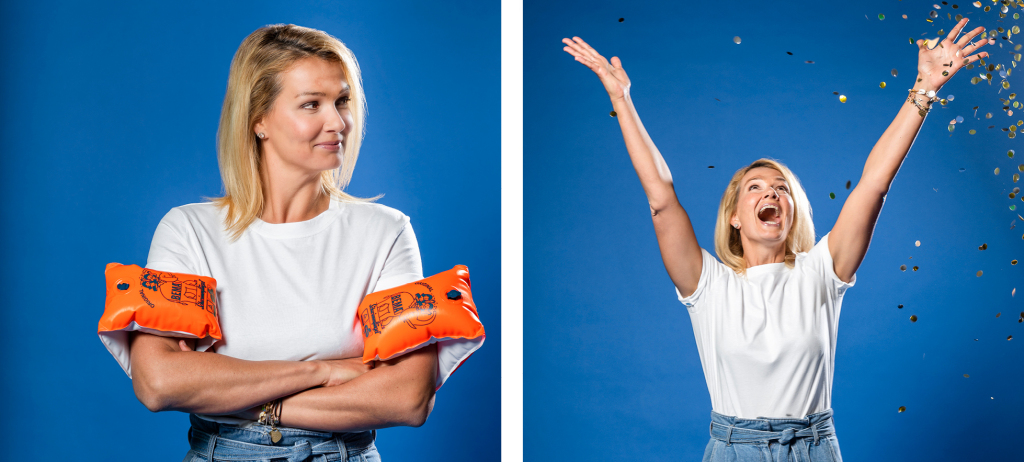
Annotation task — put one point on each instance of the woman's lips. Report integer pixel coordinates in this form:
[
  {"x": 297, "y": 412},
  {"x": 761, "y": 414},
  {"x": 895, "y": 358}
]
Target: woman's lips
[{"x": 332, "y": 146}]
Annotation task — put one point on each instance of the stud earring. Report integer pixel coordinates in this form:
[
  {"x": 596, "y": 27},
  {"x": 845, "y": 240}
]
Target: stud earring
[{"x": 260, "y": 135}]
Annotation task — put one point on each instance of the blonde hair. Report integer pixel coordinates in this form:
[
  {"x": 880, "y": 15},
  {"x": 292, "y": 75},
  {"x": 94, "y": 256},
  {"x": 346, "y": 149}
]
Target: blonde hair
[
  {"x": 727, "y": 239},
  {"x": 253, "y": 84}
]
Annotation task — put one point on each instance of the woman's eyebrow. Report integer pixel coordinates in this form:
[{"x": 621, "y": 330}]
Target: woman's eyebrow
[{"x": 344, "y": 89}]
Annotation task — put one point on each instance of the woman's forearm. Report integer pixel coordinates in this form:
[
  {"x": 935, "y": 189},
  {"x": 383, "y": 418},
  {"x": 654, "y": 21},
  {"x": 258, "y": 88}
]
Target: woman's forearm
[
  {"x": 399, "y": 392},
  {"x": 166, "y": 378},
  {"x": 650, "y": 166},
  {"x": 892, "y": 147}
]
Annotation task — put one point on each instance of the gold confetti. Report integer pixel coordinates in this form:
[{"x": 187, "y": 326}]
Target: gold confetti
[
  {"x": 999, "y": 314},
  {"x": 982, "y": 246},
  {"x": 1013, "y": 262},
  {"x": 1008, "y": 339},
  {"x": 903, "y": 408},
  {"x": 967, "y": 376},
  {"x": 980, "y": 273},
  {"x": 913, "y": 318},
  {"x": 972, "y": 131},
  {"x": 613, "y": 114},
  {"x": 842, "y": 98},
  {"x": 736, "y": 39},
  {"x": 881, "y": 85},
  {"x": 917, "y": 243},
  {"x": 915, "y": 268}
]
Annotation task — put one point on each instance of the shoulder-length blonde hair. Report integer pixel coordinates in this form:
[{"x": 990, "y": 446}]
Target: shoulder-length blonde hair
[
  {"x": 253, "y": 84},
  {"x": 727, "y": 239}
]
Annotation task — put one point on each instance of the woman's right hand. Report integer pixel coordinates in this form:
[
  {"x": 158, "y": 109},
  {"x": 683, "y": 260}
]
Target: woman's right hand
[
  {"x": 614, "y": 78},
  {"x": 340, "y": 371}
]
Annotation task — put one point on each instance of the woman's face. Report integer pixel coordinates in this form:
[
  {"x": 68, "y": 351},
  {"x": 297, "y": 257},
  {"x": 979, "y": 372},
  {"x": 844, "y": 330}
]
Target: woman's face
[
  {"x": 764, "y": 208},
  {"x": 309, "y": 121}
]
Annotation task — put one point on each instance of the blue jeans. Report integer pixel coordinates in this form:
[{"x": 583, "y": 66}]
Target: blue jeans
[
  {"x": 214, "y": 442},
  {"x": 810, "y": 439}
]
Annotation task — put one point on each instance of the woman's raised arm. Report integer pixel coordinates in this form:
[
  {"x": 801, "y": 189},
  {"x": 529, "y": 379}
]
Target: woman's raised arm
[
  {"x": 676, "y": 239},
  {"x": 848, "y": 242}
]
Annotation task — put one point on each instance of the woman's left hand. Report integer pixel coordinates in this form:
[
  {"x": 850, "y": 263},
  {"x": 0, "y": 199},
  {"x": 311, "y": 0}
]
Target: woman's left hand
[{"x": 935, "y": 66}]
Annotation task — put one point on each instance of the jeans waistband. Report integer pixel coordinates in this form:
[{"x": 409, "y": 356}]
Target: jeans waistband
[
  {"x": 222, "y": 441},
  {"x": 736, "y": 430}
]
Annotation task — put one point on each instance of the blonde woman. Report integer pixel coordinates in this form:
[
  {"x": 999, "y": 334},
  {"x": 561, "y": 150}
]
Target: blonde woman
[
  {"x": 293, "y": 256},
  {"x": 765, "y": 317}
]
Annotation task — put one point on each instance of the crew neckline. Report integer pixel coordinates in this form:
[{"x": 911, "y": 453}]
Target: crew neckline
[
  {"x": 765, "y": 269},
  {"x": 298, "y": 228}
]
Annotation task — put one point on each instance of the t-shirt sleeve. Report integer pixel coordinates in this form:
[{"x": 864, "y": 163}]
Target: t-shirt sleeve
[
  {"x": 820, "y": 259},
  {"x": 403, "y": 264},
  {"x": 170, "y": 250},
  {"x": 711, "y": 269}
]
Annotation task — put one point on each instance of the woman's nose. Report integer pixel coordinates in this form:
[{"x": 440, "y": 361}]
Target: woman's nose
[{"x": 335, "y": 122}]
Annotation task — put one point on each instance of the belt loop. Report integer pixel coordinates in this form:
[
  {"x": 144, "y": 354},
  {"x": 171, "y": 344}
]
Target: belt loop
[
  {"x": 711, "y": 429},
  {"x": 728, "y": 436},
  {"x": 342, "y": 448},
  {"x": 814, "y": 429},
  {"x": 212, "y": 444}
]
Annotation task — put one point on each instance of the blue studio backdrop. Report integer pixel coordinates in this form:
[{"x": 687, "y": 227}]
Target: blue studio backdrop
[
  {"x": 611, "y": 366},
  {"x": 109, "y": 120}
]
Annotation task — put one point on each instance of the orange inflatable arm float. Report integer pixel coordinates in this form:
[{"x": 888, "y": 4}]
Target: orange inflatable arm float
[
  {"x": 438, "y": 309},
  {"x": 156, "y": 302}
]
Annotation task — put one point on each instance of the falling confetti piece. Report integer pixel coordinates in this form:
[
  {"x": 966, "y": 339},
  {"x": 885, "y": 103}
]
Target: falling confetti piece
[
  {"x": 962, "y": 169},
  {"x": 1016, "y": 176},
  {"x": 900, "y": 306},
  {"x": 982, "y": 246},
  {"x": 1008, "y": 339},
  {"x": 881, "y": 85},
  {"x": 952, "y": 127},
  {"x": 967, "y": 376},
  {"x": 842, "y": 98},
  {"x": 1013, "y": 262},
  {"x": 789, "y": 53},
  {"x": 847, "y": 184},
  {"x": 809, "y": 62},
  {"x": 894, "y": 73},
  {"x": 904, "y": 16},
  {"x": 734, "y": 39},
  {"x": 913, "y": 318},
  {"x": 622, "y": 19},
  {"x": 612, "y": 114},
  {"x": 831, "y": 195},
  {"x": 917, "y": 243},
  {"x": 915, "y": 268},
  {"x": 950, "y": 98},
  {"x": 711, "y": 166},
  {"x": 1013, "y": 207},
  {"x": 903, "y": 408},
  {"x": 903, "y": 267},
  {"x": 972, "y": 131},
  {"x": 980, "y": 273},
  {"x": 999, "y": 314},
  {"x": 1009, "y": 153},
  {"x": 881, "y": 17}
]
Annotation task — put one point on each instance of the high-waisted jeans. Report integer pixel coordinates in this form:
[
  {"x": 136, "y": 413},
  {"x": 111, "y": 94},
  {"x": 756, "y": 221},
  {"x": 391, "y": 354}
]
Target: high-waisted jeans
[
  {"x": 214, "y": 442},
  {"x": 810, "y": 439}
]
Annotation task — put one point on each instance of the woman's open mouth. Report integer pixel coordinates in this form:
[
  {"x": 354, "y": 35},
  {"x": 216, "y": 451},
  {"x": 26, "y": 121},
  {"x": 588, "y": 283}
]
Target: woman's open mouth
[{"x": 769, "y": 215}]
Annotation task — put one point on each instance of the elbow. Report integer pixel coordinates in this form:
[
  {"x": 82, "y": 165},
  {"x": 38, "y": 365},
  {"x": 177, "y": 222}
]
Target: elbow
[
  {"x": 418, "y": 407},
  {"x": 151, "y": 393}
]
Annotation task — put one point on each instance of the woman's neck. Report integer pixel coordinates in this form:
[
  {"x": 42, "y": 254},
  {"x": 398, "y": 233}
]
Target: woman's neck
[
  {"x": 757, "y": 254},
  {"x": 291, "y": 200}
]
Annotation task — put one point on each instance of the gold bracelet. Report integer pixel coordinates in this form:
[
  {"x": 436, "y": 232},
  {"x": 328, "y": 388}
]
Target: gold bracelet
[{"x": 930, "y": 96}]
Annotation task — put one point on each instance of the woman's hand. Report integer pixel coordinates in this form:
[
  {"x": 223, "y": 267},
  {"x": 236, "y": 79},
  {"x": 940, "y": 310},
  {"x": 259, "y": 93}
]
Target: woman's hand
[
  {"x": 343, "y": 370},
  {"x": 614, "y": 78},
  {"x": 937, "y": 65}
]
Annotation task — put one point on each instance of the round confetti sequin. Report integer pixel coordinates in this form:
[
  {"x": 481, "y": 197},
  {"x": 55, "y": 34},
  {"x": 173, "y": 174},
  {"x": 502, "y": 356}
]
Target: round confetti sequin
[
  {"x": 1013, "y": 262},
  {"x": 988, "y": 115},
  {"x": 881, "y": 17},
  {"x": 997, "y": 172},
  {"x": 934, "y": 14},
  {"x": 903, "y": 267},
  {"x": 894, "y": 73},
  {"x": 612, "y": 114},
  {"x": 980, "y": 273},
  {"x": 966, "y": 376},
  {"x": 622, "y": 19},
  {"x": 1010, "y": 153},
  {"x": 831, "y": 195},
  {"x": 959, "y": 119},
  {"x": 902, "y": 408},
  {"x": 999, "y": 314},
  {"x": 900, "y": 306},
  {"x": 952, "y": 127},
  {"x": 983, "y": 247},
  {"x": 842, "y": 98},
  {"x": 735, "y": 39},
  {"x": 881, "y": 85},
  {"x": 1016, "y": 176},
  {"x": 1008, "y": 338},
  {"x": 972, "y": 131},
  {"x": 950, "y": 98},
  {"x": 917, "y": 243},
  {"x": 1006, "y": 85},
  {"x": 913, "y": 318},
  {"x": 847, "y": 184},
  {"x": 945, "y": 73}
]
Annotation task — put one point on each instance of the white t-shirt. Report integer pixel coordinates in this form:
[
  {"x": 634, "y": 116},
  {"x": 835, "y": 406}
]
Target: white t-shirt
[
  {"x": 767, "y": 339},
  {"x": 290, "y": 291}
]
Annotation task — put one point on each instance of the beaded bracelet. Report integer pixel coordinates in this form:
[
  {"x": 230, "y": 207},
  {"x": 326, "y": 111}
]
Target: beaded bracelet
[
  {"x": 930, "y": 95},
  {"x": 271, "y": 415}
]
